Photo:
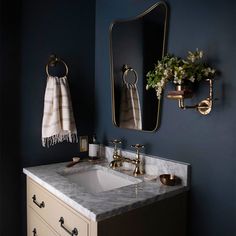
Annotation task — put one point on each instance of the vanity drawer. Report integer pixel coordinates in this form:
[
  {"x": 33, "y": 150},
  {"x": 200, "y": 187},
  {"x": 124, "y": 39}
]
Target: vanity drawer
[
  {"x": 58, "y": 215},
  {"x": 36, "y": 227}
]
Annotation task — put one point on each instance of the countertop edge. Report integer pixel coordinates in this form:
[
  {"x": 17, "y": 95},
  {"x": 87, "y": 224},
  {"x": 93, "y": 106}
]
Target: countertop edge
[{"x": 105, "y": 215}]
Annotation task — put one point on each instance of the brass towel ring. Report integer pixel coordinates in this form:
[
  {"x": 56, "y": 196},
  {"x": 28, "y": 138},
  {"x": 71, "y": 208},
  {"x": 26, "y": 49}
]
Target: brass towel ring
[
  {"x": 53, "y": 60},
  {"x": 126, "y": 70}
]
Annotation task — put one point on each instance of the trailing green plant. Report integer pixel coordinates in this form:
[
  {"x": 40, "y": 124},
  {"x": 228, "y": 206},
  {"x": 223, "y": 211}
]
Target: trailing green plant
[{"x": 177, "y": 70}]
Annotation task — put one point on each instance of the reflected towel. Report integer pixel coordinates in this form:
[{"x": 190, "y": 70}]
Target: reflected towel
[
  {"x": 130, "y": 111},
  {"x": 58, "y": 119}
]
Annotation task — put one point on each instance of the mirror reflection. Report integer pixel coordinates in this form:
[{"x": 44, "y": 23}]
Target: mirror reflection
[{"x": 135, "y": 46}]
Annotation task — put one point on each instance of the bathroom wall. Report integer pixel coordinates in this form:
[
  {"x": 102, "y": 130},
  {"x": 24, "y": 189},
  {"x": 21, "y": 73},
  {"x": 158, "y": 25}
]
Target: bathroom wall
[
  {"x": 206, "y": 142},
  {"x": 30, "y": 31},
  {"x": 66, "y": 29}
]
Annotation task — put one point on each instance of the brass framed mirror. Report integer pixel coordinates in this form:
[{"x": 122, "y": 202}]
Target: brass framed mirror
[{"x": 135, "y": 46}]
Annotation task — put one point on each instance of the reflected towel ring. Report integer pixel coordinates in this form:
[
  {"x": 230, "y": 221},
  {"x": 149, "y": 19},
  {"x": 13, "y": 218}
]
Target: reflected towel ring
[
  {"x": 53, "y": 60},
  {"x": 126, "y": 70}
]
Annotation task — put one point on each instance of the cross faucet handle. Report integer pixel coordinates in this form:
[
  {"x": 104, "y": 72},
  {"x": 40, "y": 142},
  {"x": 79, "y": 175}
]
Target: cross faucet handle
[
  {"x": 137, "y": 146},
  {"x": 115, "y": 142},
  {"x": 116, "y": 157},
  {"x": 137, "y": 161}
]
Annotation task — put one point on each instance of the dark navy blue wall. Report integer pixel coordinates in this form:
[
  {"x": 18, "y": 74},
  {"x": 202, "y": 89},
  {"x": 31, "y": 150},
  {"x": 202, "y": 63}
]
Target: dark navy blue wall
[
  {"x": 31, "y": 31},
  {"x": 66, "y": 29},
  {"x": 206, "y": 142}
]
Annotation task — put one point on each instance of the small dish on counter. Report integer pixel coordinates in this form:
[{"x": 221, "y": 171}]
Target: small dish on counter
[{"x": 169, "y": 179}]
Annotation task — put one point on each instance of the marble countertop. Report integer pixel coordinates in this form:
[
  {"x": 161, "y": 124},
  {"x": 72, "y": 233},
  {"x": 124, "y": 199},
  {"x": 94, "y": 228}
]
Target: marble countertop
[{"x": 103, "y": 205}]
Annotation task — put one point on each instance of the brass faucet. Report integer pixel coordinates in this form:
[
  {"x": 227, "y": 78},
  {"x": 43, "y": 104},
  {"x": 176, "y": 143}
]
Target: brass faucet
[
  {"x": 137, "y": 161},
  {"x": 118, "y": 159}
]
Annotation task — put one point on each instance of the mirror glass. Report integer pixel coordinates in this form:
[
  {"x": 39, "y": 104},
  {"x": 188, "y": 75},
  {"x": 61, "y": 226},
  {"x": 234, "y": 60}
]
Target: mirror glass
[{"x": 135, "y": 47}]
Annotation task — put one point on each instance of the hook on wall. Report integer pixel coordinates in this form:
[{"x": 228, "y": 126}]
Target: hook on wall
[{"x": 53, "y": 59}]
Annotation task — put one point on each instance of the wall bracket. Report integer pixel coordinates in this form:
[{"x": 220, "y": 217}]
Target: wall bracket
[{"x": 204, "y": 107}]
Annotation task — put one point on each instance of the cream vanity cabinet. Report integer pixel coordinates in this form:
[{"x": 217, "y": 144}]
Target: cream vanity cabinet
[
  {"x": 49, "y": 216},
  {"x": 36, "y": 225}
]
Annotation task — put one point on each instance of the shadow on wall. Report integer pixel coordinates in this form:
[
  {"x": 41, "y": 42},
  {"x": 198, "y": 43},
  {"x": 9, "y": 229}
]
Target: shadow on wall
[{"x": 10, "y": 132}]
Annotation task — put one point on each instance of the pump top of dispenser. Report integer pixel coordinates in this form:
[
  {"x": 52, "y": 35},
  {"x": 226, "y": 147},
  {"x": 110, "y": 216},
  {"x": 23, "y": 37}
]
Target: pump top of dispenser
[{"x": 94, "y": 139}]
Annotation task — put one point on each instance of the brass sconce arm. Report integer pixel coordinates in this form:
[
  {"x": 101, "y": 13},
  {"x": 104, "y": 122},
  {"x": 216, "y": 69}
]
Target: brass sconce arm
[
  {"x": 183, "y": 106},
  {"x": 204, "y": 107}
]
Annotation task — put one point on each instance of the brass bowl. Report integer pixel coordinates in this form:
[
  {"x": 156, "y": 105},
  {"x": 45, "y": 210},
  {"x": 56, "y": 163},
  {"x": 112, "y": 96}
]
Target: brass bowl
[{"x": 168, "y": 179}]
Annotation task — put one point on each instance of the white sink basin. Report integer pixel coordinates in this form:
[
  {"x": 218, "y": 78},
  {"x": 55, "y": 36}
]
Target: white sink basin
[{"x": 100, "y": 180}]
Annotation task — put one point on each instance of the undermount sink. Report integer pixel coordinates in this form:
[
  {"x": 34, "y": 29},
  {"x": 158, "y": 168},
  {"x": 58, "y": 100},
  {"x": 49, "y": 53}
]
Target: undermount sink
[{"x": 98, "y": 180}]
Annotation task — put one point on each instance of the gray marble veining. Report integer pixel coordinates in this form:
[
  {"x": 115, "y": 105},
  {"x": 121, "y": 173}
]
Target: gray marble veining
[
  {"x": 100, "y": 206},
  {"x": 154, "y": 165}
]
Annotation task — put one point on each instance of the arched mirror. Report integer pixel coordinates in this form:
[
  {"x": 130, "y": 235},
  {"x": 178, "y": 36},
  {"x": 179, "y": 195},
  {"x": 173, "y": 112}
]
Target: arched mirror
[{"x": 135, "y": 46}]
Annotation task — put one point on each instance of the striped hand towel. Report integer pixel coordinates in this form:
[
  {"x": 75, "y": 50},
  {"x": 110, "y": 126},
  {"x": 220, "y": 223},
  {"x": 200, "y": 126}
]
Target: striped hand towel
[
  {"x": 58, "y": 119},
  {"x": 130, "y": 111}
]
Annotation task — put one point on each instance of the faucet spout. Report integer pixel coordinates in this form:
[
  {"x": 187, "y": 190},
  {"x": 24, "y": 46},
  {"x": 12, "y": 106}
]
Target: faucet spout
[{"x": 115, "y": 164}]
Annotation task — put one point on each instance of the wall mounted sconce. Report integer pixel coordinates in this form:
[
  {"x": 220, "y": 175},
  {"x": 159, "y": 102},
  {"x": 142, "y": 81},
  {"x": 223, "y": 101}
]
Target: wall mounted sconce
[
  {"x": 204, "y": 107},
  {"x": 183, "y": 72}
]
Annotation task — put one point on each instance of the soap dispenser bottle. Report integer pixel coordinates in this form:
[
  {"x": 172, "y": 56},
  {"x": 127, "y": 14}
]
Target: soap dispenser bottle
[{"x": 93, "y": 149}]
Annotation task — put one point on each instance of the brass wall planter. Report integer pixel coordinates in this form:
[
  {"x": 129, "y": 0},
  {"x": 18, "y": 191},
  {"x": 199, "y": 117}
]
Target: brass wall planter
[{"x": 204, "y": 107}]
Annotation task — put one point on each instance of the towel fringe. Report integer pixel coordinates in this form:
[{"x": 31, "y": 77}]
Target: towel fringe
[
  {"x": 58, "y": 138},
  {"x": 58, "y": 123}
]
